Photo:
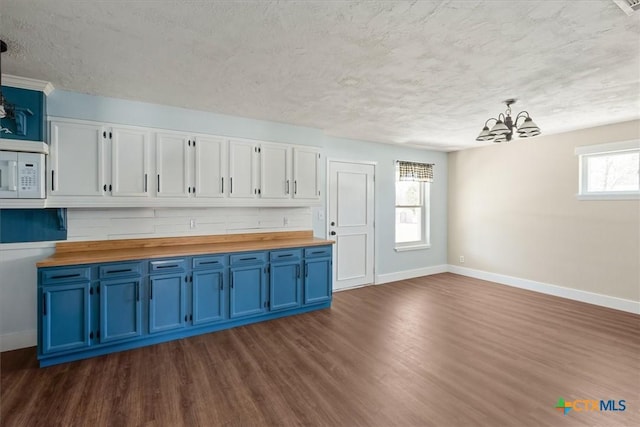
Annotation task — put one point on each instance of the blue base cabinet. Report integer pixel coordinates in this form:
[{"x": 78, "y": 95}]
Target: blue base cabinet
[
  {"x": 285, "y": 291},
  {"x": 247, "y": 283},
  {"x": 120, "y": 309},
  {"x": 209, "y": 290},
  {"x": 95, "y": 309},
  {"x": 65, "y": 317},
  {"x": 166, "y": 302},
  {"x": 317, "y": 275}
]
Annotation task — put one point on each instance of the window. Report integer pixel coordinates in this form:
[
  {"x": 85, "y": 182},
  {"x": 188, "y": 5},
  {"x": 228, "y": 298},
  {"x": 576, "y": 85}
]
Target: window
[
  {"x": 412, "y": 210},
  {"x": 609, "y": 171}
]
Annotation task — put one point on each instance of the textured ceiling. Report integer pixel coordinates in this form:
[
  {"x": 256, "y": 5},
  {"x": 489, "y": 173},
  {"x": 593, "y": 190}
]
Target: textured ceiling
[{"x": 425, "y": 73}]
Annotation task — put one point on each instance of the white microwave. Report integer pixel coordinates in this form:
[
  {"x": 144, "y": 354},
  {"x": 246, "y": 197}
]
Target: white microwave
[{"x": 22, "y": 175}]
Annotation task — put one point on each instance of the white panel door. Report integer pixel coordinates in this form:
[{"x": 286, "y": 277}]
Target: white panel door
[
  {"x": 275, "y": 160},
  {"x": 242, "y": 165},
  {"x": 130, "y": 162},
  {"x": 211, "y": 166},
  {"x": 75, "y": 166},
  {"x": 351, "y": 219},
  {"x": 172, "y": 165},
  {"x": 306, "y": 178}
]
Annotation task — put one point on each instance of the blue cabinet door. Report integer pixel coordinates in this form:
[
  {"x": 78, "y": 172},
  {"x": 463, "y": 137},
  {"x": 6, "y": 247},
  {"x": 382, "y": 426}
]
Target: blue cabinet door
[
  {"x": 120, "y": 309},
  {"x": 208, "y": 296},
  {"x": 285, "y": 286},
  {"x": 166, "y": 302},
  {"x": 317, "y": 280},
  {"x": 65, "y": 317},
  {"x": 248, "y": 291}
]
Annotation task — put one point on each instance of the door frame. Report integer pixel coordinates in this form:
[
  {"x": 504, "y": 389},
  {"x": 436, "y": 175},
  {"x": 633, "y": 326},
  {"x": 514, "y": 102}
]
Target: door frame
[{"x": 327, "y": 221}]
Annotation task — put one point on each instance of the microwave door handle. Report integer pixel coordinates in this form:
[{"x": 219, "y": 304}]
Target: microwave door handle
[{"x": 13, "y": 176}]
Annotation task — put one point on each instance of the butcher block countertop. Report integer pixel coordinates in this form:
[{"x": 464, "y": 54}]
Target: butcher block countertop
[{"x": 72, "y": 253}]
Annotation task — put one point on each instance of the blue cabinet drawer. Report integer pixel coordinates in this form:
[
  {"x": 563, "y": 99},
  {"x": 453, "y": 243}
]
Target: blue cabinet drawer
[
  {"x": 248, "y": 258},
  {"x": 288, "y": 255},
  {"x": 209, "y": 261},
  {"x": 120, "y": 270},
  {"x": 167, "y": 265},
  {"x": 66, "y": 275},
  {"x": 318, "y": 251}
]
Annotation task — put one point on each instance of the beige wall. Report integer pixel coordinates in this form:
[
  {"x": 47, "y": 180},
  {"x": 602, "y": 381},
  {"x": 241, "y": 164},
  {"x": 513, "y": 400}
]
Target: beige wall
[{"x": 513, "y": 211}]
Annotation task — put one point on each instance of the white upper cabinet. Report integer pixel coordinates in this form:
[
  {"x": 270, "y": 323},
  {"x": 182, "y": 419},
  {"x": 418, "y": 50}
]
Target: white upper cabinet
[
  {"x": 76, "y": 159},
  {"x": 210, "y": 166},
  {"x": 306, "y": 173},
  {"x": 173, "y": 165},
  {"x": 242, "y": 166},
  {"x": 275, "y": 171},
  {"x": 129, "y": 162},
  {"x": 98, "y": 164},
  {"x": 188, "y": 166}
]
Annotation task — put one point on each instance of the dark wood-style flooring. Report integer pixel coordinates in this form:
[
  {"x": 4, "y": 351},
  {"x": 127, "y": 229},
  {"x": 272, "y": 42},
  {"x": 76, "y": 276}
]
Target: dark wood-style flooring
[{"x": 442, "y": 350}]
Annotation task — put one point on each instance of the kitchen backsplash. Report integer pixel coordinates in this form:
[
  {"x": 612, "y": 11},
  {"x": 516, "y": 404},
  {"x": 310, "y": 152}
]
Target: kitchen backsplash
[{"x": 107, "y": 224}]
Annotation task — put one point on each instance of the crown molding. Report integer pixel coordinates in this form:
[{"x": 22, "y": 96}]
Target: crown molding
[{"x": 27, "y": 83}]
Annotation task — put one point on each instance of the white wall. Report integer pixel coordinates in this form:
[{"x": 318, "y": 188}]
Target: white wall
[
  {"x": 513, "y": 211},
  {"x": 17, "y": 265},
  {"x": 18, "y": 279},
  {"x": 74, "y": 105}
]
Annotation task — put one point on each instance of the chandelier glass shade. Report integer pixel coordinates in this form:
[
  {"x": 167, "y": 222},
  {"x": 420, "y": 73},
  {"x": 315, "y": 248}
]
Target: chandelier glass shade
[{"x": 503, "y": 128}]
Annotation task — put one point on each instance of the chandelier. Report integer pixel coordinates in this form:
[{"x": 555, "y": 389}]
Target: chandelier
[{"x": 502, "y": 130}]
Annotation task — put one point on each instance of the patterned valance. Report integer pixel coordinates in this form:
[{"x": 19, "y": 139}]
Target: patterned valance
[{"x": 410, "y": 171}]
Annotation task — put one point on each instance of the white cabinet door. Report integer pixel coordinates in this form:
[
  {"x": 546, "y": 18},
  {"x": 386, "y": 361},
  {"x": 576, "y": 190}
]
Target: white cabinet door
[
  {"x": 275, "y": 161},
  {"x": 306, "y": 178},
  {"x": 76, "y": 159},
  {"x": 210, "y": 166},
  {"x": 130, "y": 162},
  {"x": 242, "y": 169},
  {"x": 173, "y": 165}
]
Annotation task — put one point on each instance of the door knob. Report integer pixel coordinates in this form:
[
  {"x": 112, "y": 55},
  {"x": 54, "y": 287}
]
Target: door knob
[
  {"x": 333, "y": 223},
  {"x": 333, "y": 233}
]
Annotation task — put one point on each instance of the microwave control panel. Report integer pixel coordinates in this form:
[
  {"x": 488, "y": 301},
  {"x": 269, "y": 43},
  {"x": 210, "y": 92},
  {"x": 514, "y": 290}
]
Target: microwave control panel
[{"x": 31, "y": 176}]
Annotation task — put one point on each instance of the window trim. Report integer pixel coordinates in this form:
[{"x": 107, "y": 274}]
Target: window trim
[
  {"x": 425, "y": 240},
  {"x": 584, "y": 152}
]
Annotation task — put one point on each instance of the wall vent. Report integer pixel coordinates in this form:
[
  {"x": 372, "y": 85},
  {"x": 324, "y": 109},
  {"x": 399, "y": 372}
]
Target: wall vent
[{"x": 628, "y": 6}]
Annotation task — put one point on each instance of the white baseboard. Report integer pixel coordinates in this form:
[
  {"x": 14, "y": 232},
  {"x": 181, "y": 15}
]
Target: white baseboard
[
  {"x": 546, "y": 288},
  {"x": 410, "y": 274},
  {"x": 17, "y": 340}
]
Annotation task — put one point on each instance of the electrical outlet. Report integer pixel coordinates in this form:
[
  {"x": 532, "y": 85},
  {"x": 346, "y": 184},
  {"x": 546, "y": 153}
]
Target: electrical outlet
[
  {"x": 285, "y": 221},
  {"x": 461, "y": 259},
  {"x": 192, "y": 223}
]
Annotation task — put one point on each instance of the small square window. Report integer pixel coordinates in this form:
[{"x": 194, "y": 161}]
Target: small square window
[{"x": 610, "y": 171}]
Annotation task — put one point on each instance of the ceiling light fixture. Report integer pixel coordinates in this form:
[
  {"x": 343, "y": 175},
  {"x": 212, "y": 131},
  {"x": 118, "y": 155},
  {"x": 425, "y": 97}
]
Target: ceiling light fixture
[
  {"x": 502, "y": 130},
  {"x": 5, "y": 108}
]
